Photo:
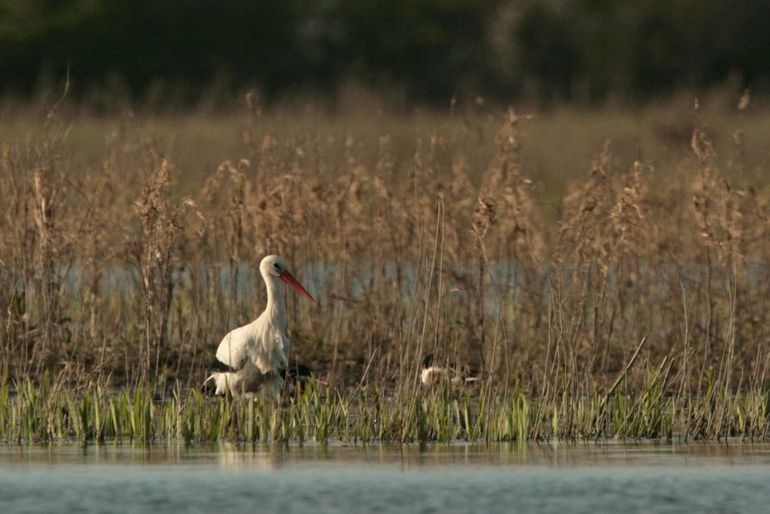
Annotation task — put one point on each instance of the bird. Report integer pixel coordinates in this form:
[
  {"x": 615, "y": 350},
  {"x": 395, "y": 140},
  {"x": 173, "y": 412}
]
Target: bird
[
  {"x": 254, "y": 357},
  {"x": 432, "y": 374}
]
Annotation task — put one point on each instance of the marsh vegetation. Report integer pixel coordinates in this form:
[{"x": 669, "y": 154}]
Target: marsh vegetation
[{"x": 604, "y": 272}]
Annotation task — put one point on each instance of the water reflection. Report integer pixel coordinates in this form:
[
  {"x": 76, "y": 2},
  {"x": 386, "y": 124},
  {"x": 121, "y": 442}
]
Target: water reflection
[{"x": 236, "y": 457}]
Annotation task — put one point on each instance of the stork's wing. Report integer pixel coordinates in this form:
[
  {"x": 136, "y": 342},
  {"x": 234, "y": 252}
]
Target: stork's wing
[
  {"x": 234, "y": 348},
  {"x": 269, "y": 352},
  {"x": 220, "y": 366}
]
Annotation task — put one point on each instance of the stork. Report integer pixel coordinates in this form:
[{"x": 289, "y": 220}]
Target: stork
[{"x": 255, "y": 356}]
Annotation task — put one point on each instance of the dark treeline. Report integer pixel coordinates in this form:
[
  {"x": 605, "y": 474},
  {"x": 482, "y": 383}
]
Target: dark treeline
[{"x": 425, "y": 51}]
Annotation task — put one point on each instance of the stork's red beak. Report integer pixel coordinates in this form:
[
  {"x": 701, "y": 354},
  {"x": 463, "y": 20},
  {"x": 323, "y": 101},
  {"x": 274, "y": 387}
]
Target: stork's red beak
[{"x": 289, "y": 279}]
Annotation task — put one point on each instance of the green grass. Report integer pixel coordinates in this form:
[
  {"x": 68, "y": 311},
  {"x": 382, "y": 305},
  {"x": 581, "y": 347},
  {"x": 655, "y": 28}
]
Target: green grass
[{"x": 42, "y": 413}]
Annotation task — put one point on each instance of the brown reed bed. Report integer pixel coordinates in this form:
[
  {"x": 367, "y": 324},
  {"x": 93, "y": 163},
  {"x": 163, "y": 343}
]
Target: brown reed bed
[{"x": 637, "y": 307}]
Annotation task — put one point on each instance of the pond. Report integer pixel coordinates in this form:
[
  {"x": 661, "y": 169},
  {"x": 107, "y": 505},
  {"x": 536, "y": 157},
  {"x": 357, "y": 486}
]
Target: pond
[{"x": 553, "y": 477}]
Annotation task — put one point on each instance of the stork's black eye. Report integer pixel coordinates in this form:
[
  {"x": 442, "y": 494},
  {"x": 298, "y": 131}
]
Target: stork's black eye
[{"x": 277, "y": 266}]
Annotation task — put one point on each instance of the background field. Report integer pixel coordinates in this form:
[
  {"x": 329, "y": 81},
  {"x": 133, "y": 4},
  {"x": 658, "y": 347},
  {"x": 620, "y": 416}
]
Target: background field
[
  {"x": 474, "y": 231},
  {"x": 542, "y": 249}
]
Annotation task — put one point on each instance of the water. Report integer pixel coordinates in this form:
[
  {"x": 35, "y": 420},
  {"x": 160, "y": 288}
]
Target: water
[{"x": 523, "y": 478}]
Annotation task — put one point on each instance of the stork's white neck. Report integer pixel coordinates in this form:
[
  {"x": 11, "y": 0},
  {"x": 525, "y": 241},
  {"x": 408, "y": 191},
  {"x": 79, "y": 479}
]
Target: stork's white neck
[{"x": 276, "y": 306}]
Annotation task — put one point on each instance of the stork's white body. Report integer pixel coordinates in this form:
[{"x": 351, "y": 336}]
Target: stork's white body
[{"x": 257, "y": 353}]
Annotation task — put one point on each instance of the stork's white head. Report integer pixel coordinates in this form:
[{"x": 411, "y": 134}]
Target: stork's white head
[{"x": 274, "y": 266}]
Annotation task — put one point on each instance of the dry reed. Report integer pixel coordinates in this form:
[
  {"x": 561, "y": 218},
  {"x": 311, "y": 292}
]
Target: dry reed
[{"x": 112, "y": 279}]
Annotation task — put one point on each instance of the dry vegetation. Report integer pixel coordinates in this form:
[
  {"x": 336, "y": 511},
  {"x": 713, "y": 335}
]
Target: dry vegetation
[{"x": 626, "y": 296}]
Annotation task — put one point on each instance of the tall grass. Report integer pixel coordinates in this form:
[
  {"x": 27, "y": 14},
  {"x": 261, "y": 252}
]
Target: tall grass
[{"x": 121, "y": 273}]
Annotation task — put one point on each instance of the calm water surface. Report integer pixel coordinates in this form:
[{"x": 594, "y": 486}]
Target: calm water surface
[{"x": 500, "y": 478}]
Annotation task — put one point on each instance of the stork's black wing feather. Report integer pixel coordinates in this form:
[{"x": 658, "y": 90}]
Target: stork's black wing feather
[{"x": 218, "y": 365}]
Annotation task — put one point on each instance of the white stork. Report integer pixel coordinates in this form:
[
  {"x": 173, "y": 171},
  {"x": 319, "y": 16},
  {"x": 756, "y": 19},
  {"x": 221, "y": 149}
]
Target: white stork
[{"x": 255, "y": 355}]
